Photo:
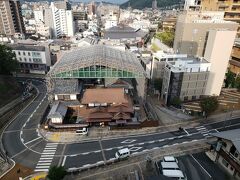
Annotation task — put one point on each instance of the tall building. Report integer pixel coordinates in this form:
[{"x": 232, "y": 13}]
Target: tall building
[
  {"x": 192, "y": 30},
  {"x": 39, "y": 15},
  {"x": 11, "y": 21},
  {"x": 218, "y": 51},
  {"x": 62, "y": 22},
  {"x": 154, "y": 4},
  {"x": 234, "y": 63},
  {"x": 231, "y": 9},
  {"x": 91, "y": 8}
]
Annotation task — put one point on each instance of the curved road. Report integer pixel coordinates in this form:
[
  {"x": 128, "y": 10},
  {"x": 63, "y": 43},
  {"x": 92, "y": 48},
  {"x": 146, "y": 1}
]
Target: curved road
[{"x": 24, "y": 145}]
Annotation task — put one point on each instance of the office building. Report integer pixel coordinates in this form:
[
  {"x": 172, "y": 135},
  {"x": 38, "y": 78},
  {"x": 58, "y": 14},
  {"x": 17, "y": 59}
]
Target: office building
[
  {"x": 192, "y": 30},
  {"x": 11, "y": 21},
  {"x": 32, "y": 58},
  {"x": 184, "y": 78},
  {"x": 231, "y": 9}
]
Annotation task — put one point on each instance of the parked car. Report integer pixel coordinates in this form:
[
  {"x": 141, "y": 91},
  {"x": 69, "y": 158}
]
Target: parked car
[
  {"x": 169, "y": 159},
  {"x": 82, "y": 131}
]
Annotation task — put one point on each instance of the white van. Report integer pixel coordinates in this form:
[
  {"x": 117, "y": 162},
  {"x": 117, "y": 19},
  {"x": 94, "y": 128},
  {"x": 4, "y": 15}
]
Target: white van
[
  {"x": 122, "y": 153},
  {"x": 174, "y": 174},
  {"x": 83, "y": 131},
  {"x": 169, "y": 166},
  {"x": 169, "y": 159}
]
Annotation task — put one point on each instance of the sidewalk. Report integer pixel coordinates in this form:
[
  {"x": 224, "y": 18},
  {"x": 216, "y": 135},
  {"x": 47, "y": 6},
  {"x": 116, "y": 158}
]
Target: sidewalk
[{"x": 96, "y": 133}]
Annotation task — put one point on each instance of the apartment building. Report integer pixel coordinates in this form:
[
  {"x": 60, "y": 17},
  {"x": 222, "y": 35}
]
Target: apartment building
[
  {"x": 231, "y": 9},
  {"x": 62, "y": 21},
  {"x": 192, "y": 30},
  {"x": 185, "y": 78},
  {"x": 32, "y": 58},
  {"x": 226, "y": 152},
  {"x": 234, "y": 63},
  {"x": 11, "y": 21}
]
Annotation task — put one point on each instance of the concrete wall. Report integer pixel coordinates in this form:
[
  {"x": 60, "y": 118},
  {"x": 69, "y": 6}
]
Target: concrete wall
[{"x": 218, "y": 51}]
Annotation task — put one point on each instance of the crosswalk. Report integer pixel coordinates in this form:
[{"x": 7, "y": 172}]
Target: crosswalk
[
  {"x": 46, "y": 158},
  {"x": 203, "y": 130}
]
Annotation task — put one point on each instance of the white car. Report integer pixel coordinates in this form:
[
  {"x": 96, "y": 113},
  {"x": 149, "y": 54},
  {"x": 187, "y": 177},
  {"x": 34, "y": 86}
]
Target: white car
[
  {"x": 122, "y": 153},
  {"x": 169, "y": 159}
]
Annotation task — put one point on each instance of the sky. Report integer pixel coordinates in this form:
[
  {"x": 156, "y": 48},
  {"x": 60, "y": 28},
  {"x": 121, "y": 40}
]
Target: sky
[{"x": 111, "y": 1}]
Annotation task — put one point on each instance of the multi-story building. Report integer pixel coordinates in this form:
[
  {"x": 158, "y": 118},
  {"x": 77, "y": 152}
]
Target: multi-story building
[
  {"x": 39, "y": 15},
  {"x": 169, "y": 24},
  {"x": 226, "y": 152},
  {"x": 62, "y": 21},
  {"x": 32, "y": 58},
  {"x": 218, "y": 52},
  {"x": 192, "y": 30},
  {"x": 11, "y": 21},
  {"x": 234, "y": 63},
  {"x": 185, "y": 78},
  {"x": 91, "y": 8},
  {"x": 231, "y": 9}
]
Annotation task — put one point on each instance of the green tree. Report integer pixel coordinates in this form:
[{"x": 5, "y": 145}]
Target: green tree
[
  {"x": 8, "y": 61},
  {"x": 176, "y": 102},
  {"x": 166, "y": 37},
  {"x": 209, "y": 105},
  {"x": 56, "y": 173},
  {"x": 158, "y": 84},
  {"x": 237, "y": 83},
  {"x": 230, "y": 79}
]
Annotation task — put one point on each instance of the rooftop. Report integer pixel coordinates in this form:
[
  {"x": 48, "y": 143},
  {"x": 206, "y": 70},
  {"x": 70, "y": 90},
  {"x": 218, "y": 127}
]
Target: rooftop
[
  {"x": 63, "y": 86},
  {"x": 98, "y": 56},
  {"x": 25, "y": 47},
  {"x": 104, "y": 95},
  {"x": 231, "y": 135}
]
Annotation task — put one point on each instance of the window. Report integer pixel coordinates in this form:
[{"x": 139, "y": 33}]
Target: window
[
  {"x": 225, "y": 163},
  {"x": 30, "y": 59},
  {"x": 19, "y": 53},
  {"x": 24, "y": 53},
  {"x": 29, "y": 53},
  {"x": 25, "y": 59},
  {"x": 20, "y": 59}
]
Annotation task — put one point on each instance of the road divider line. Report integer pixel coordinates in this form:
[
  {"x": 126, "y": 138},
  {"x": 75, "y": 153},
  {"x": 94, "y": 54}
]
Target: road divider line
[
  {"x": 32, "y": 140},
  {"x": 201, "y": 166},
  {"x": 64, "y": 160},
  {"x": 186, "y": 131}
]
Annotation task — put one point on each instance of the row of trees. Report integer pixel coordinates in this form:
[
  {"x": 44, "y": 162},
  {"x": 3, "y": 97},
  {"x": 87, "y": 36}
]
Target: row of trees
[
  {"x": 8, "y": 61},
  {"x": 166, "y": 37},
  {"x": 232, "y": 81}
]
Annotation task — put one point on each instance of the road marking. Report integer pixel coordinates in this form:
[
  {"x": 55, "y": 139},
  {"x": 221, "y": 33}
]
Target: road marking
[
  {"x": 200, "y": 128},
  {"x": 40, "y": 167},
  {"x": 97, "y": 151},
  {"x": 135, "y": 148},
  {"x": 86, "y": 165},
  {"x": 45, "y": 161},
  {"x": 41, "y": 170},
  {"x": 161, "y": 140},
  {"x": 179, "y": 136},
  {"x": 120, "y": 147},
  {"x": 32, "y": 140},
  {"x": 108, "y": 149},
  {"x": 201, "y": 166},
  {"x": 205, "y": 134},
  {"x": 44, "y": 164},
  {"x": 185, "y": 131},
  {"x": 44, "y": 155},
  {"x": 42, "y": 158},
  {"x": 128, "y": 141},
  {"x": 85, "y": 153},
  {"x": 99, "y": 162},
  {"x": 175, "y": 144},
  {"x": 171, "y": 138},
  {"x": 49, "y": 150},
  {"x": 216, "y": 130},
  {"x": 195, "y": 140},
  {"x": 140, "y": 143},
  {"x": 64, "y": 160},
  {"x": 48, "y": 153},
  {"x": 21, "y": 133},
  {"x": 165, "y": 146},
  {"x": 131, "y": 145},
  {"x": 73, "y": 155},
  {"x": 155, "y": 148},
  {"x": 150, "y": 142}
]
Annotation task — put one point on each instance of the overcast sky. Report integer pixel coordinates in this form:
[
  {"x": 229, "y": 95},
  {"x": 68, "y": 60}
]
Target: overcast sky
[{"x": 111, "y": 1}]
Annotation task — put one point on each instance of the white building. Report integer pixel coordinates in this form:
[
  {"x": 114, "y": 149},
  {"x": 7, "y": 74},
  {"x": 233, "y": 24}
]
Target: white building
[
  {"x": 38, "y": 15},
  {"x": 62, "y": 21},
  {"x": 42, "y": 29},
  {"x": 32, "y": 58}
]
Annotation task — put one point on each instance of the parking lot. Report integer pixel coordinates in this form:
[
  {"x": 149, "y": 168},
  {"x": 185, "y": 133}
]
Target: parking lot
[{"x": 200, "y": 167}]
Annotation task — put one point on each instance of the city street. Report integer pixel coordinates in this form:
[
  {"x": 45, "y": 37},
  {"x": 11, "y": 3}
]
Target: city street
[{"x": 25, "y": 145}]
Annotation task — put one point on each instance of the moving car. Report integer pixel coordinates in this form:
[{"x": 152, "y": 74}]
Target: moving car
[{"x": 122, "y": 153}]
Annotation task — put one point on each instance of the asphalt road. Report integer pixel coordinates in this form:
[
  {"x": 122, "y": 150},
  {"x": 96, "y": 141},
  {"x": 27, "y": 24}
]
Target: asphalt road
[
  {"x": 24, "y": 145},
  {"x": 199, "y": 166}
]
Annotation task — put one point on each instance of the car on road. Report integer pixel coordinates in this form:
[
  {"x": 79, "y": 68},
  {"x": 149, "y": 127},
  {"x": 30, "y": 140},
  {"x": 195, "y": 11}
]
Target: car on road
[
  {"x": 82, "y": 131},
  {"x": 175, "y": 174},
  {"x": 122, "y": 153},
  {"x": 169, "y": 159},
  {"x": 169, "y": 166}
]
